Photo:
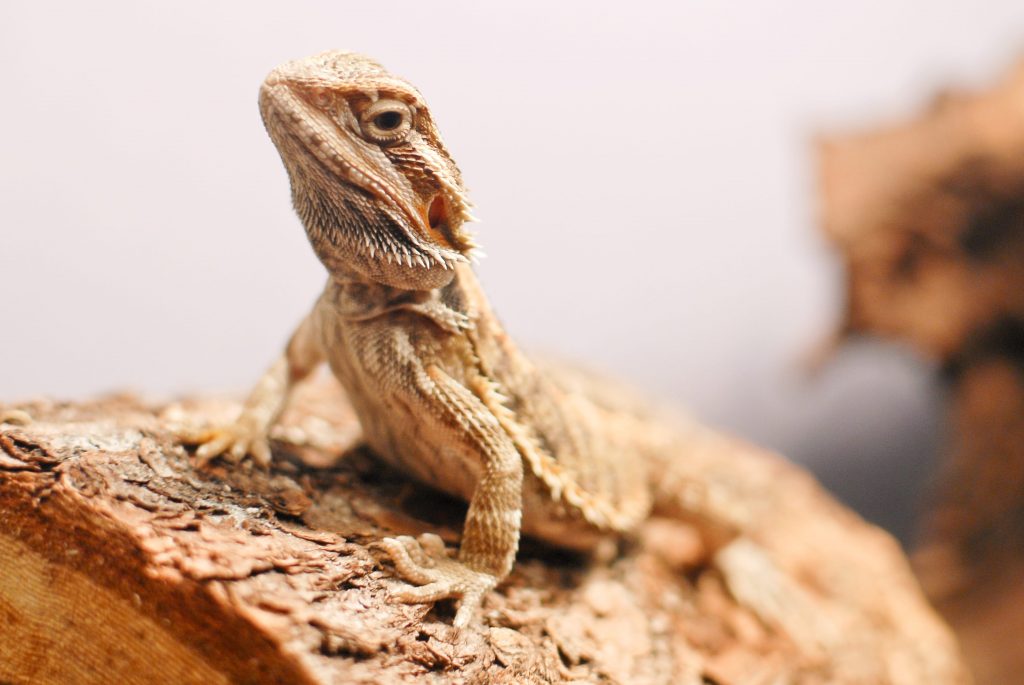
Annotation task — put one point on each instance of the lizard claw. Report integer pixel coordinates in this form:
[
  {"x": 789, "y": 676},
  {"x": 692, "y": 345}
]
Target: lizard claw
[
  {"x": 233, "y": 441},
  {"x": 435, "y": 576}
]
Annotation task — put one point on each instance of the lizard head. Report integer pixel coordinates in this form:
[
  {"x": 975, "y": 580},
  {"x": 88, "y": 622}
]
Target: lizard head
[{"x": 371, "y": 179}]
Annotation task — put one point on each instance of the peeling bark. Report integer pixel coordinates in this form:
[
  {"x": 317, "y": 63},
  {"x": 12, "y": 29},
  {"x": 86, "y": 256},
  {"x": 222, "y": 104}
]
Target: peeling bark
[{"x": 119, "y": 562}]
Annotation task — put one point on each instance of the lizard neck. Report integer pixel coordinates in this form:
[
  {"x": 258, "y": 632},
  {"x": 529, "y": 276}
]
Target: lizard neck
[{"x": 453, "y": 307}]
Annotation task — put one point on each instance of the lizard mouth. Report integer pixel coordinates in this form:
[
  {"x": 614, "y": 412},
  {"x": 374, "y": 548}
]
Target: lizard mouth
[
  {"x": 437, "y": 214},
  {"x": 426, "y": 226},
  {"x": 438, "y": 219}
]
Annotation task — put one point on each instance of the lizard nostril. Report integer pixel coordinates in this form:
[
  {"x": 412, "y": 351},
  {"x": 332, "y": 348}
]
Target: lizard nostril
[{"x": 438, "y": 213}]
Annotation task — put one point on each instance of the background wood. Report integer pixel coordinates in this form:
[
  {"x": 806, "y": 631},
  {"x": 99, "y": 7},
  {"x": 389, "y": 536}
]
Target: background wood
[{"x": 928, "y": 216}]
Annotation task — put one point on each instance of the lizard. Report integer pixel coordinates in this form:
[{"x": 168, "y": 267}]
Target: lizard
[{"x": 440, "y": 389}]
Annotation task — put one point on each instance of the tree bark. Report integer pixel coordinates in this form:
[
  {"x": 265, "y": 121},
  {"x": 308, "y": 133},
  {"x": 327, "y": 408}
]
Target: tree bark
[
  {"x": 929, "y": 218},
  {"x": 120, "y": 562}
]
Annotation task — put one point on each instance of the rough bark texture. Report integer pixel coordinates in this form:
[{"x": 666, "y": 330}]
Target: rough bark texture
[
  {"x": 929, "y": 217},
  {"x": 119, "y": 562}
]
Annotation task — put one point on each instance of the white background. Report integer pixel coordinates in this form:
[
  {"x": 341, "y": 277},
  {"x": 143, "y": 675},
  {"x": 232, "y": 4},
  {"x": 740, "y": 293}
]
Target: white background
[{"x": 644, "y": 173}]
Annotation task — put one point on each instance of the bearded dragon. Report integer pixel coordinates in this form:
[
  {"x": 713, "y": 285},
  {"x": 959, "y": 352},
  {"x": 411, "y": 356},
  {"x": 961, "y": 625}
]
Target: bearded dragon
[{"x": 440, "y": 390}]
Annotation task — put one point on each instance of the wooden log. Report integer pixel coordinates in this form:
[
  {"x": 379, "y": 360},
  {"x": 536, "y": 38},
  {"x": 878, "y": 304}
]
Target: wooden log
[
  {"x": 120, "y": 562},
  {"x": 928, "y": 216}
]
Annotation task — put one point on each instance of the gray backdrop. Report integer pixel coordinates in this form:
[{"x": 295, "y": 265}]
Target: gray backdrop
[{"x": 643, "y": 173}]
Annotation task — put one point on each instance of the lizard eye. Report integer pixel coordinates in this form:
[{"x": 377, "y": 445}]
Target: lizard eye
[{"x": 386, "y": 122}]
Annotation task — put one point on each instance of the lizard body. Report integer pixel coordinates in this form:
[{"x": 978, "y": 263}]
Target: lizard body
[{"x": 440, "y": 389}]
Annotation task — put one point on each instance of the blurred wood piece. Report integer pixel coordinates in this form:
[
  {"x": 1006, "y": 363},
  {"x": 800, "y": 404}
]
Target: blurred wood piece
[
  {"x": 929, "y": 218},
  {"x": 121, "y": 563}
]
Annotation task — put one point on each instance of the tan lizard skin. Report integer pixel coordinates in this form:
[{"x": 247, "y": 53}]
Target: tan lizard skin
[{"x": 440, "y": 389}]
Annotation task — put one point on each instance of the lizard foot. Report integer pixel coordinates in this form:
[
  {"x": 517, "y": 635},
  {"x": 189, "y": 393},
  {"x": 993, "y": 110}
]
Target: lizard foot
[
  {"x": 756, "y": 582},
  {"x": 234, "y": 441},
  {"x": 434, "y": 575}
]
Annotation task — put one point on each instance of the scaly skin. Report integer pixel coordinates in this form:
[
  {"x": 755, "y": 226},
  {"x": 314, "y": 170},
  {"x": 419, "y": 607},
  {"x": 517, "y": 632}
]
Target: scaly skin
[{"x": 440, "y": 389}]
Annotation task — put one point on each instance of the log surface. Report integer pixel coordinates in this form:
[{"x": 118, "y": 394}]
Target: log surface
[{"x": 120, "y": 562}]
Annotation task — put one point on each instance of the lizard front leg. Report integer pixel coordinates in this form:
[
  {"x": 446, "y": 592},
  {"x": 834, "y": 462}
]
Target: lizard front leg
[
  {"x": 490, "y": 535},
  {"x": 248, "y": 435}
]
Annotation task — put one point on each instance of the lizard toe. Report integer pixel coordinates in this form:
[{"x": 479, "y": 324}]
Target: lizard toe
[
  {"x": 410, "y": 561},
  {"x": 434, "y": 576}
]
